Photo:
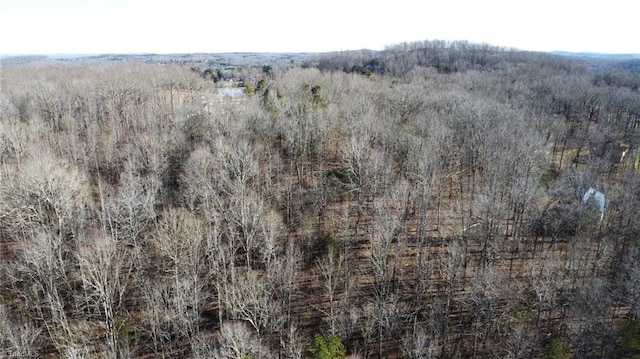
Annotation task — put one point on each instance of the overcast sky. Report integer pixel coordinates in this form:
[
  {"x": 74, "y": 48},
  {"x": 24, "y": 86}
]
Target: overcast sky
[{"x": 162, "y": 26}]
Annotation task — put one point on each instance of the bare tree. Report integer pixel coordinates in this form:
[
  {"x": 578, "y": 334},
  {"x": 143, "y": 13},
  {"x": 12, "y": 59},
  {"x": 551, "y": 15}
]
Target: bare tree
[
  {"x": 180, "y": 242},
  {"x": 418, "y": 344},
  {"x": 546, "y": 283},
  {"x": 330, "y": 267},
  {"x": 283, "y": 280},
  {"x": 158, "y": 321},
  {"x": 246, "y": 210},
  {"x": 485, "y": 300},
  {"x": 237, "y": 340},
  {"x": 131, "y": 210},
  {"x": 251, "y": 301},
  {"x": 451, "y": 270},
  {"x": 588, "y": 324},
  {"x": 387, "y": 246},
  {"x": 632, "y": 283},
  {"x": 294, "y": 346},
  {"x": 521, "y": 342},
  {"x": 40, "y": 265},
  {"x": 105, "y": 270},
  {"x": 19, "y": 338},
  {"x": 43, "y": 191},
  {"x": 199, "y": 182}
]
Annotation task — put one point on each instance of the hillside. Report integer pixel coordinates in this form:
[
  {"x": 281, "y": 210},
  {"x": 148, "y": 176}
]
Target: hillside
[{"x": 427, "y": 201}]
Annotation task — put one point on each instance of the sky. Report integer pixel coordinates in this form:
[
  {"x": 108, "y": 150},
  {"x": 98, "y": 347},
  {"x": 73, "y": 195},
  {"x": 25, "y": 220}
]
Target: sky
[{"x": 181, "y": 26}]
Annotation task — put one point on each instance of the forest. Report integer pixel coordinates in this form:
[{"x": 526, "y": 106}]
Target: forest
[{"x": 432, "y": 200}]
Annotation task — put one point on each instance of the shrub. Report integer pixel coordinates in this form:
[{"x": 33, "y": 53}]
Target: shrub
[
  {"x": 330, "y": 246},
  {"x": 331, "y": 348},
  {"x": 249, "y": 90},
  {"x": 628, "y": 340},
  {"x": 555, "y": 350}
]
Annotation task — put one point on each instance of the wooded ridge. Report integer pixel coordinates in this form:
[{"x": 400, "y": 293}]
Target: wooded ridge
[{"x": 432, "y": 200}]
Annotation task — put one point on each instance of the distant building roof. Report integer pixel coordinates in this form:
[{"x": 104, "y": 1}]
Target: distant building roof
[
  {"x": 233, "y": 92},
  {"x": 599, "y": 197}
]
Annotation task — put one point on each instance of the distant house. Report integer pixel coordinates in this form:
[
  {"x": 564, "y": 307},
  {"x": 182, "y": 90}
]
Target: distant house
[
  {"x": 233, "y": 92},
  {"x": 222, "y": 95},
  {"x": 599, "y": 197}
]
